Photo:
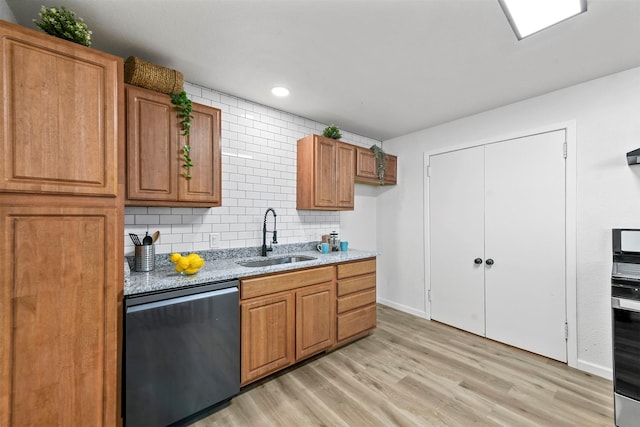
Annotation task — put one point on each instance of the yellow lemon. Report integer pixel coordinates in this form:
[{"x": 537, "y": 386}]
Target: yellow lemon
[
  {"x": 175, "y": 257},
  {"x": 183, "y": 262},
  {"x": 192, "y": 257},
  {"x": 179, "y": 268},
  {"x": 197, "y": 263},
  {"x": 191, "y": 270}
]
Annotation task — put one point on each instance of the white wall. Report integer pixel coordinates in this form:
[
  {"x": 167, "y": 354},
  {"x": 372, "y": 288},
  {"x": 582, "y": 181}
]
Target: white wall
[
  {"x": 607, "y": 115},
  {"x": 258, "y": 171},
  {"x": 5, "y": 13},
  {"x": 358, "y": 227}
]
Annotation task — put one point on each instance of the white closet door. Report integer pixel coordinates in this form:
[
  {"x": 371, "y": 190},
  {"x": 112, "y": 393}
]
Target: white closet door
[
  {"x": 525, "y": 237},
  {"x": 456, "y": 200}
]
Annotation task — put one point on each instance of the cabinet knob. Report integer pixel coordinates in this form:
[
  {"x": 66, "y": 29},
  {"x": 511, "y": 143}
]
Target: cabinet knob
[
  {"x": 477, "y": 261},
  {"x": 489, "y": 261}
]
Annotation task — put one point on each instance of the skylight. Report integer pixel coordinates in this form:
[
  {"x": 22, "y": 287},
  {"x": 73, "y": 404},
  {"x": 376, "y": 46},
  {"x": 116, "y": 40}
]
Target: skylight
[{"x": 530, "y": 16}]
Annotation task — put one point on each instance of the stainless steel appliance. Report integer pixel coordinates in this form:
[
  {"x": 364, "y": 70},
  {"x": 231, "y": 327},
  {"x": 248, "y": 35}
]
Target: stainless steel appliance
[
  {"x": 181, "y": 354},
  {"x": 625, "y": 308}
]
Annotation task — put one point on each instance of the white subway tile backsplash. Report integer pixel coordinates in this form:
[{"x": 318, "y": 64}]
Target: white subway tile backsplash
[
  {"x": 170, "y": 219},
  {"x": 259, "y": 171}
]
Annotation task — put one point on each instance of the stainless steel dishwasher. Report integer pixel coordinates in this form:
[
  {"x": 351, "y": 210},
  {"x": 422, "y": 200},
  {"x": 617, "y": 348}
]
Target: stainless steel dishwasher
[{"x": 181, "y": 354}]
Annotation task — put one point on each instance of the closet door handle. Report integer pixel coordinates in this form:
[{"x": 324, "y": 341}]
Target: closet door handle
[
  {"x": 489, "y": 261},
  {"x": 477, "y": 261}
]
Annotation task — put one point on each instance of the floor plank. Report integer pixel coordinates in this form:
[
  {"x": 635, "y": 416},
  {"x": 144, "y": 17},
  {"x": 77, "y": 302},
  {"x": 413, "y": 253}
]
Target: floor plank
[{"x": 415, "y": 372}]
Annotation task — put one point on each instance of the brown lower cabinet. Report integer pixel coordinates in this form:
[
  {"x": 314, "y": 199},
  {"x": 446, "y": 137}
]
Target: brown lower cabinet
[
  {"x": 356, "y": 291},
  {"x": 287, "y": 317},
  {"x": 60, "y": 304}
]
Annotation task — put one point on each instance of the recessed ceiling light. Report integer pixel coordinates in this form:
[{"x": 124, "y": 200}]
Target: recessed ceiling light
[
  {"x": 530, "y": 16},
  {"x": 280, "y": 91}
]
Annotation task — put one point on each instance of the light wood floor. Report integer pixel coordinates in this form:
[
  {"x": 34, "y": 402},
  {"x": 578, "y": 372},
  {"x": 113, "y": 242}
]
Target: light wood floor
[{"x": 413, "y": 372}]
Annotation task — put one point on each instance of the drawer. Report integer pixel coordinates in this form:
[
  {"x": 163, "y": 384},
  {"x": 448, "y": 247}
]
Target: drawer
[
  {"x": 356, "y": 268},
  {"x": 352, "y": 301},
  {"x": 356, "y": 322},
  {"x": 270, "y": 284},
  {"x": 356, "y": 284}
]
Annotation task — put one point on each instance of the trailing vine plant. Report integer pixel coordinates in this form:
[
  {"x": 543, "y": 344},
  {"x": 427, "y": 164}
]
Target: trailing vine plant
[
  {"x": 184, "y": 107},
  {"x": 381, "y": 162}
]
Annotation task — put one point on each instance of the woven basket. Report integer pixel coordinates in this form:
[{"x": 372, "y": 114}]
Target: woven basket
[{"x": 139, "y": 72}]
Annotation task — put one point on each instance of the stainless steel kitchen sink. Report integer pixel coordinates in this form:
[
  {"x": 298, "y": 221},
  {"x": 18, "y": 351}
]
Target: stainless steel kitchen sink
[{"x": 275, "y": 261}]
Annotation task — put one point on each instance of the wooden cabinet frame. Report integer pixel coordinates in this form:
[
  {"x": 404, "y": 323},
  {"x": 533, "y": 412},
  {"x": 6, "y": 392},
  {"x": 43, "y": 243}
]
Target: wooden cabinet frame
[
  {"x": 285, "y": 318},
  {"x": 154, "y": 153},
  {"x": 356, "y": 300},
  {"x": 325, "y": 174},
  {"x": 59, "y": 121},
  {"x": 367, "y": 171}
]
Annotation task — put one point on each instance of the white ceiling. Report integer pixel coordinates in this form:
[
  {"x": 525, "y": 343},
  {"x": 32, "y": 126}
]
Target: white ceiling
[{"x": 378, "y": 68}]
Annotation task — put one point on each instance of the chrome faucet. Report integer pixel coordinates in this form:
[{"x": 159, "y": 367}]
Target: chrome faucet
[{"x": 264, "y": 233}]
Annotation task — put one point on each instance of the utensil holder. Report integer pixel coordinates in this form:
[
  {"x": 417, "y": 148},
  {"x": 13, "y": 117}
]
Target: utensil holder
[{"x": 145, "y": 257}]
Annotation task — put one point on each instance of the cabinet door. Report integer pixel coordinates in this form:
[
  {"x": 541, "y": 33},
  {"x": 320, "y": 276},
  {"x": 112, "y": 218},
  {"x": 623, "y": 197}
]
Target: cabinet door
[
  {"x": 152, "y": 146},
  {"x": 315, "y": 319},
  {"x": 204, "y": 140},
  {"x": 268, "y": 334},
  {"x": 391, "y": 172},
  {"x": 366, "y": 164},
  {"x": 58, "y": 115},
  {"x": 59, "y": 291},
  {"x": 325, "y": 172},
  {"x": 346, "y": 163}
]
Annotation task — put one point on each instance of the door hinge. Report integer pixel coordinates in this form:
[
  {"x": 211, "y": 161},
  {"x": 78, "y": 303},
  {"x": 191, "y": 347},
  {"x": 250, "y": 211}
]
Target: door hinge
[
  {"x": 429, "y": 295},
  {"x": 564, "y": 150},
  {"x": 566, "y": 331}
]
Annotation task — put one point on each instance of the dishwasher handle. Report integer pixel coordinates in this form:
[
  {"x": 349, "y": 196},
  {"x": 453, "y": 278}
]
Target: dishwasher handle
[
  {"x": 178, "y": 300},
  {"x": 625, "y": 304}
]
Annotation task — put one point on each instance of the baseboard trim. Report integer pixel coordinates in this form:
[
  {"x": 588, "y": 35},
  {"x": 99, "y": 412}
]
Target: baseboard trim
[
  {"x": 594, "y": 369},
  {"x": 403, "y": 308}
]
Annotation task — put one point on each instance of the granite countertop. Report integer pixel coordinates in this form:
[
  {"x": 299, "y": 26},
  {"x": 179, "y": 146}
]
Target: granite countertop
[{"x": 223, "y": 267}]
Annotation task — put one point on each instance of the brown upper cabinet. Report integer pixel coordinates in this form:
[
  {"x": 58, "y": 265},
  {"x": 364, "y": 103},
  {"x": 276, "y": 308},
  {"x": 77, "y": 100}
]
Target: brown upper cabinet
[
  {"x": 58, "y": 115},
  {"x": 366, "y": 170},
  {"x": 326, "y": 173},
  {"x": 154, "y": 153}
]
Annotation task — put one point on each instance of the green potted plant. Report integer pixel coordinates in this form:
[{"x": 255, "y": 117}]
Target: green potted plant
[
  {"x": 184, "y": 107},
  {"x": 62, "y": 23},
  {"x": 332, "y": 132},
  {"x": 381, "y": 162}
]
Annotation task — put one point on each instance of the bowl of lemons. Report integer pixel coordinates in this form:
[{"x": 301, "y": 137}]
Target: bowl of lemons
[{"x": 189, "y": 264}]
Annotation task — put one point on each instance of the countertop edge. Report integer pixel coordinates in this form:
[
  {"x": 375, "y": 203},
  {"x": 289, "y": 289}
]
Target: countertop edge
[{"x": 166, "y": 278}]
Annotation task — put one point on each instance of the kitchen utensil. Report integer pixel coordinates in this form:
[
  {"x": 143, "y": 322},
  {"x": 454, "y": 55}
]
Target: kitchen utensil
[
  {"x": 135, "y": 239},
  {"x": 147, "y": 239},
  {"x": 155, "y": 236}
]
